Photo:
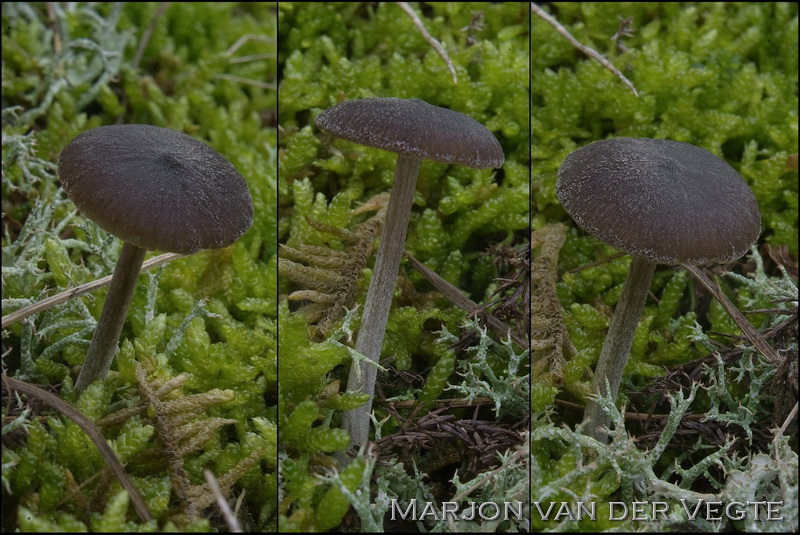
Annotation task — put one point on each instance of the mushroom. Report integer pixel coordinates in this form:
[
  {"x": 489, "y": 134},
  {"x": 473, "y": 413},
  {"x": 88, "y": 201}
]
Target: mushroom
[
  {"x": 156, "y": 189},
  {"x": 415, "y": 130},
  {"x": 664, "y": 202}
]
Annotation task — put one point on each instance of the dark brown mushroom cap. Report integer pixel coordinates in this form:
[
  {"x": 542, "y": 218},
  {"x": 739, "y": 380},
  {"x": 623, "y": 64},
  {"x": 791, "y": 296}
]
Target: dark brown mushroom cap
[
  {"x": 156, "y": 188},
  {"x": 414, "y": 128},
  {"x": 667, "y": 201}
]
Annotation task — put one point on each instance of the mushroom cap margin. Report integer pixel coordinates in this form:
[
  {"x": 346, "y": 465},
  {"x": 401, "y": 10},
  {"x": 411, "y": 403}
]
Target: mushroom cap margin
[{"x": 414, "y": 128}]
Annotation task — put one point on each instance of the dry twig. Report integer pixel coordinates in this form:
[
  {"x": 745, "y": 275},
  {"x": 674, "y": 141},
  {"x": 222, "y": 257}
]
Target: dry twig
[
  {"x": 786, "y": 422},
  {"x": 227, "y": 514},
  {"x": 431, "y": 40},
  {"x": 78, "y": 291},
  {"x": 148, "y": 32},
  {"x": 240, "y": 79},
  {"x": 592, "y": 53},
  {"x": 92, "y": 432},
  {"x": 462, "y": 301},
  {"x": 747, "y": 328}
]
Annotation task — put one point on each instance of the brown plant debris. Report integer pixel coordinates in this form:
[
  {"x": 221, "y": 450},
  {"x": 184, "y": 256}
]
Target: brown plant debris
[
  {"x": 455, "y": 296},
  {"x": 549, "y": 337},
  {"x": 443, "y": 439},
  {"x": 330, "y": 277},
  {"x": 430, "y": 39},
  {"x": 113, "y": 464},
  {"x": 782, "y": 387},
  {"x": 592, "y": 53},
  {"x": 182, "y": 430},
  {"x": 511, "y": 300}
]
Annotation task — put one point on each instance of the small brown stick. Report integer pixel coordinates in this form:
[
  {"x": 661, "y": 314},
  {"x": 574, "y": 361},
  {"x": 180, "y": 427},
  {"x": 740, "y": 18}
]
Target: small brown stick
[
  {"x": 431, "y": 40},
  {"x": 629, "y": 415},
  {"x": 747, "y": 328},
  {"x": 51, "y": 18},
  {"x": 791, "y": 320},
  {"x": 148, "y": 32},
  {"x": 779, "y": 432},
  {"x": 452, "y": 403},
  {"x": 792, "y": 416},
  {"x": 78, "y": 291},
  {"x": 227, "y": 514},
  {"x": 239, "y": 502},
  {"x": 779, "y": 311},
  {"x": 592, "y": 53},
  {"x": 241, "y": 79},
  {"x": 244, "y": 39},
  {"x": 92, "y": 432},
  {"x": 596, "y": 263},
  {"x": 254, "y": 57},
  {"x": 462, "y": 301}
]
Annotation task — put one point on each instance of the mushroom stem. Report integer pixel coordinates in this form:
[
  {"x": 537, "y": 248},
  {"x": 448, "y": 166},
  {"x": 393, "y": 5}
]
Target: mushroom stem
[
  {"x": 379, "y": 295},
  {"x": 617, "y": 346},
  {"x": 106, "y": 335}
]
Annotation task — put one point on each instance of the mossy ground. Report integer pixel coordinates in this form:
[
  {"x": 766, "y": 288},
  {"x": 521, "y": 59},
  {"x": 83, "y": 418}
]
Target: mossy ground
[
  {"x": 212, "y": 317},
  {"x": 722, "y": 76},
  {"x": 462, "y": 218}
]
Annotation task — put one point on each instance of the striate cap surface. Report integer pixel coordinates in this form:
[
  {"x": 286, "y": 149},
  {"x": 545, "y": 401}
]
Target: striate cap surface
[
  {"x": 414, "y": 128},
  {"x": 156, "y": 188},
  {"x": 667, "y": 201}
]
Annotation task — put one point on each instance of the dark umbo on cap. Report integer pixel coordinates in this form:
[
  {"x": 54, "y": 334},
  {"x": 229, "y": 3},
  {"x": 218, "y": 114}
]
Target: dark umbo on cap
[
  {"x": 414, "y": 128},
  {"x": 667, "y": 201},
  {"x": 156, "y": 188}
]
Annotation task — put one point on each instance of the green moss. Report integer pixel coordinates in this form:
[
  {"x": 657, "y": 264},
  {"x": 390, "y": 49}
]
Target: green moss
[
  {"x": 706, "y": 75},
  {"x": 330, "y": 52},
  {"x": 211, "y": 317},
  {"x": 722, "y": 76}
]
